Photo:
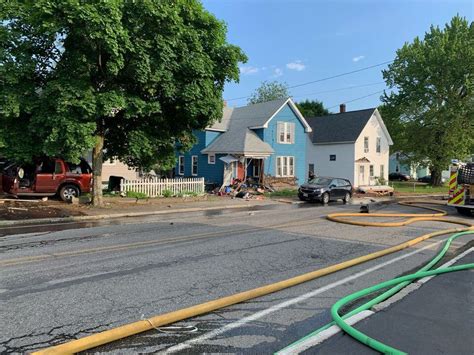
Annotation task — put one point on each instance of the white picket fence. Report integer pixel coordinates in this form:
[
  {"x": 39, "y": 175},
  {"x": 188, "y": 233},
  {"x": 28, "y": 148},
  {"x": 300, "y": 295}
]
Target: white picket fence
[{"x": 155, "y": 187}]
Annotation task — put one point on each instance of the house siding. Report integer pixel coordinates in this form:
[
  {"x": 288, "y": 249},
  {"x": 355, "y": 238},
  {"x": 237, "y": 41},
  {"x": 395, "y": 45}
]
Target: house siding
[
  {"x": 371, "y": 130},
  {"x": 297, "y": 149},
  {"x": 212, "y": 173},
  {"x": 342, "y": 167}
]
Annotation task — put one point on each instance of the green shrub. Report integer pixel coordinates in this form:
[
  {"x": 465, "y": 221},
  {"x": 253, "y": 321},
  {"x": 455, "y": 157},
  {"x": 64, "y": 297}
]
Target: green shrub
[
  {"x": 187, "y": 193},
  {"x": 139, "y": 195},
  {"x": 167, "y": 193}
]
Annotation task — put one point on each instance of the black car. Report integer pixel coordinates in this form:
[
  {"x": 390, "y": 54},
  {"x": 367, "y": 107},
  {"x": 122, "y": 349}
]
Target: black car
[
  {"x": 426, "y": 179},
  {"x": 398, "y": 177},
  {"x": 325, "y": 189}
]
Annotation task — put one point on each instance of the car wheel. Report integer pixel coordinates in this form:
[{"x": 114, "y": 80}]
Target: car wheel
[
  {"x": 347, "y": 197},
  {"x": 67, "y": 192},
  {"x": 325, "y": 198}
]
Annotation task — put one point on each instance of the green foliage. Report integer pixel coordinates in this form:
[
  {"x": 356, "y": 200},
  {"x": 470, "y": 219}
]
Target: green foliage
[
  {"x": 269, "y": 91},
  {"x": 167, "y": 193},
  {"x": 284, "y": 193},
  {"x": 188, "y": 194},
  {"x": 142, "y": 74},
  {"x": 431, "y": 111},
  {"x": 138, "y": 195},
  {"x": 312, "y": 108}
]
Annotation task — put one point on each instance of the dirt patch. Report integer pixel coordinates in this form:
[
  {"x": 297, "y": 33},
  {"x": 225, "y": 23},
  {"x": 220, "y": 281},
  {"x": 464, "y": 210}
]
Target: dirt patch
[{"x": 15, "y": 210}]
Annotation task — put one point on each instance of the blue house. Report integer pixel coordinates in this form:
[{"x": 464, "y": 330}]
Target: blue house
[{"x": 264, "y": 139}]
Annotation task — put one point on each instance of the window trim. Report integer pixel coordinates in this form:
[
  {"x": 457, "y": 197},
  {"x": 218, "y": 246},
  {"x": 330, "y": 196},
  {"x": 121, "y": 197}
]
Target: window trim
[
  {"x": 209, "y": 161},
  {"x": 283, "y": 164},
  {"x": 382, "y": 171},
  {"x": 288, "y": 131},
  {"x": 366, "y": 146},
  {"x": 181, "y": 164},
  {"x": 378, "y": 145},
  {"x": 194, "y": 158},
  {"x": 371, "y": 170}
]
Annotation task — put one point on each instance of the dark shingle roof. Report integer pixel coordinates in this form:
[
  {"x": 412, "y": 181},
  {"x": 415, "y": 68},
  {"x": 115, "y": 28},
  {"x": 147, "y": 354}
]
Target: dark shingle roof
[{"x": 340, "y": 127}]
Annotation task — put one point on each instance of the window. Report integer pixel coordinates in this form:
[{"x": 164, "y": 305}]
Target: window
[
  {"x": 194, "y": 166},
  {"x": 366, "y": 144},
  {"x": 382, "y": 171},
  {"x": 211, "y": 159},
  {"x": 361, "y": 174},
  {"x": 371, "y": 169},
  {"x": 311, "y": 168},
  {"x": 181, "y": 165},
  {"x": 286, "y": 132},
  {"x": 285, "y": 166},
  {"x": 378, "y": 144},
  {"x": 332, "y": 157}
]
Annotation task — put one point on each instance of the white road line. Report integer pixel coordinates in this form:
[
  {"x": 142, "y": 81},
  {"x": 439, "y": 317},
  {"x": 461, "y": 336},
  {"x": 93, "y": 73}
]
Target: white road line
[
  {"x": 333, "y": 330},
  {"x": 277, "y": 307}
]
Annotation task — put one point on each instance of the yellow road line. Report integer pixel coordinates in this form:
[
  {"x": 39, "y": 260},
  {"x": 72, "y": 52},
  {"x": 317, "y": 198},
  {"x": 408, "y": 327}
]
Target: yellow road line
[{"x": 127, "y": 330}]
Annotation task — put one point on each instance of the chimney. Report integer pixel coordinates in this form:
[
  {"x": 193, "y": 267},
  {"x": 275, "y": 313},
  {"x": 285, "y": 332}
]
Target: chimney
[{"x": 342, "y": 108}]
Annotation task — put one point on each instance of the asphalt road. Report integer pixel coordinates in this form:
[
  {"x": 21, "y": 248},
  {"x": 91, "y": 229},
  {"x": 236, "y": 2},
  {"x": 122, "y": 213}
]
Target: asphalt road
[{"x": 60, "y": 285}]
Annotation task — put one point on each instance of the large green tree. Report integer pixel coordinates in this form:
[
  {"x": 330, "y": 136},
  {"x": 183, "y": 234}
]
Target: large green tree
[
  {"x": 433, "y": 94},
  {"x": 312, "y": 108},
  {"x": 129, "y": 79},
  {"x": 268, "y": 91}
]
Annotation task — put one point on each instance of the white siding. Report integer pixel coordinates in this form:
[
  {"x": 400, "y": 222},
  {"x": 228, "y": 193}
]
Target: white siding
[
  {"x": 319, "y": 155},
  {"x": 371, "y": 130}
]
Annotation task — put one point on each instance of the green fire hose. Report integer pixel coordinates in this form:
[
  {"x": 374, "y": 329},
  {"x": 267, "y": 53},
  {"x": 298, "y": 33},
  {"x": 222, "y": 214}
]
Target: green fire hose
[{"x": 398, "y": 284}]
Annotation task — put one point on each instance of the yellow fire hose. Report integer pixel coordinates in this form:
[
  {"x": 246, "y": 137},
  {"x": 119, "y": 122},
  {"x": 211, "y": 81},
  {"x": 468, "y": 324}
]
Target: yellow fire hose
[{"x": 137, "y": 327}]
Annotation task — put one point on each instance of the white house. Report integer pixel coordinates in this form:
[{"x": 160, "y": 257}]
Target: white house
[{"x": 352, "y": 145}]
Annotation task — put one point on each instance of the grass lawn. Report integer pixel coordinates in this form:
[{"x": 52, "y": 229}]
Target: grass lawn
[
  {"x": 410, "y": 187},
  {"x": 284, "y": 193}
]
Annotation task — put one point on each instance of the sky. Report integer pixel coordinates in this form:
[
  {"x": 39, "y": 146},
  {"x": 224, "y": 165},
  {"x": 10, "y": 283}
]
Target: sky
[{"x": 298, "y": 41}]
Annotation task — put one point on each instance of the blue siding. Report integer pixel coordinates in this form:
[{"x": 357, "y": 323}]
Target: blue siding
[
  {"x": 297, "y": 150},
  {"x": 210, "y": 172}
]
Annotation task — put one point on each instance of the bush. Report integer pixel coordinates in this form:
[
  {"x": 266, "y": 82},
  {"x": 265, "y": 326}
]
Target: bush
[
  {"x": 167, "y": 193},
  {"x": 187, "y": 193},
  {"x": 139, "y": 195}
]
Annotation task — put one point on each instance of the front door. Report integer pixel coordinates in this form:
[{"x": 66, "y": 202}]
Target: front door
[
  {"x": 48, "y": 176},
  {"x": 361, "y": 175}
]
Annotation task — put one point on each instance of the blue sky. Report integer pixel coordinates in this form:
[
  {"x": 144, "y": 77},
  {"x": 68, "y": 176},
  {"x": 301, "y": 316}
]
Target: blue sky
[{"x": 296, "y": 41}]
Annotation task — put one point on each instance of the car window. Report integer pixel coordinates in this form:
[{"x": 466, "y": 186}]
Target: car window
[
  {"x": 81, "y": 168},
  {"x": 58, "y": 167},
  {"x": 46, "y": 166},
  {"x": 342, "y": 182},
  {"x": 320, "y": 181}
]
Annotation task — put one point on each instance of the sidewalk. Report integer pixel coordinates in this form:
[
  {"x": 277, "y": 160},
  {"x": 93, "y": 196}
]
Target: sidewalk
[
  {"x": 437, "y": 318},
  {"x": 40, "y": 212}
]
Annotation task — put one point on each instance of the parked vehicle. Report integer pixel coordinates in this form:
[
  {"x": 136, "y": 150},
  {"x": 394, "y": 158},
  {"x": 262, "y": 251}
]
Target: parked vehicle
[
  {"x": 48, "y": 177},
  {"x": 426, "y": 179},
  {"x": 398, "y": 177},
  {"x": 461, "y": 188},
  {"x": 325, "y": 189}
]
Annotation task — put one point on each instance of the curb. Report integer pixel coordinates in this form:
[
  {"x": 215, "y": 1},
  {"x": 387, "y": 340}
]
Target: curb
[{"x": 116, "y": 215}]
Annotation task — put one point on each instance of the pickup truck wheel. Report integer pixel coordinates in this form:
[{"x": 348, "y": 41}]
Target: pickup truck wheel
[{"x": 67, "y": 192}]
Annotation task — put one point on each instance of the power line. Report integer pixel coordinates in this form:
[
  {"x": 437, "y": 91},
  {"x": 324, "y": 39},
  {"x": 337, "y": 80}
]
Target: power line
[
  {"x": 323, "y": 79},
  {"x": 340, "y": 89},
  {"x": 358, "y": 98}
]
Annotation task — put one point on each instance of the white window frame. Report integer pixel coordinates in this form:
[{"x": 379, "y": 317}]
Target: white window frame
[
  {"x": 366, "y": 144},
  {"x": 382, "y": 171},
  {"x": 371, "y": 171},
  {"x": 181, "y": 165},
  {"x": 211, "y": 158},
  {"x": 194, "y": 158},
  {"x": 285, "y": 166},
  {"x": 286, "y": 130},
  {"x": 378, "y": 145}
]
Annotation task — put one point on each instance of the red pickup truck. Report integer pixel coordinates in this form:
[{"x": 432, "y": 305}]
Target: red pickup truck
[{"x": 48, "y": 177}]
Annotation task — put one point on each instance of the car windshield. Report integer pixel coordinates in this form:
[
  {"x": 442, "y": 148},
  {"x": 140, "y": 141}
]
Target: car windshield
[{"x": 320, "y": 181}]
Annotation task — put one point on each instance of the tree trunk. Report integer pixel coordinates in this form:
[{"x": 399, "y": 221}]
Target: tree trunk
[
  {"x": 436, "y": 177},
  {"x": 97, "y": 160}
]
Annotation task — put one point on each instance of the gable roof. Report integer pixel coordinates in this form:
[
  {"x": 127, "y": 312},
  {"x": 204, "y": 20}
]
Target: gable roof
[
  {"x": 342, "y": 127},
  {"x": 237, "y": 124},
  {"x": 257, "y": 115}
]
